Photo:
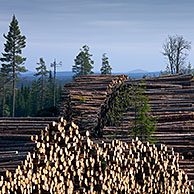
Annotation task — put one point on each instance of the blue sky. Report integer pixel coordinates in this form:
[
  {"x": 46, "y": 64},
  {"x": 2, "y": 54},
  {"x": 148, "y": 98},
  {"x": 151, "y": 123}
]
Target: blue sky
[{"x": 130, "y": 32}]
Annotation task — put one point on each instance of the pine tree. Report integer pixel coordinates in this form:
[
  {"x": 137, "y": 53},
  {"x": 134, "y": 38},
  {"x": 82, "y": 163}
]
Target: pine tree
[
  {"x": 55, "y": 65},
  {"x": 49, "y": 92},
  {"x": 59, "y": 92},
  {"x": 4, "y": 87},
  {"x": 35, "y": 102},
  {"x": 106, "y": 68},
  {"x": 12, "y": 59},
  {"x": 83, "y": 62},
  {"x": 42, "y": 72},
  {"x": 143, "y": 123},
  {"x": 132, "y": 99}
]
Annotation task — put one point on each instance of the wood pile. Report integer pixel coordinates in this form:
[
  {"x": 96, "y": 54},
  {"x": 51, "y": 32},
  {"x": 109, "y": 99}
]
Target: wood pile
[
  {"x": 172, "y": 102},
  {"x": 64, "y": 161},
  {"x": 83, "y": 99},
  {"x": 16, "y": 139}
]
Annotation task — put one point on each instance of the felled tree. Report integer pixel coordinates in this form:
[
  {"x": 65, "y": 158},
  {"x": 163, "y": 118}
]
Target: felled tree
[
  {"x": 106, "y": 68},
  {"x": 12, "y": 59},
  {"x": 83, "y": 62}
]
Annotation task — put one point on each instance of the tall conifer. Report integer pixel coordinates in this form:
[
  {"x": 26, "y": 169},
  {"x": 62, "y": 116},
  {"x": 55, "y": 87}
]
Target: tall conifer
[
  {"x": 42, "y": 72},
  {"x": 12, "y": 59},
  {"x": 83, "y": 62},
  {"x": 106, "y": 68}
]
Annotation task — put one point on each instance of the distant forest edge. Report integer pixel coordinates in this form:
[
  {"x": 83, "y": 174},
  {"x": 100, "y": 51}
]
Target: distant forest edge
[{"x": 64, "y": 77}]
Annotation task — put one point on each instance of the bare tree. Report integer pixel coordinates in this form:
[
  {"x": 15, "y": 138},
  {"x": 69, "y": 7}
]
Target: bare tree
[{"x": 176, "y": 51}]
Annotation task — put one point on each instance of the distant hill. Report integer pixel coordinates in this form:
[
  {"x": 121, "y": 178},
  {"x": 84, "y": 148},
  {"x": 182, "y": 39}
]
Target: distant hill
[
  {"x": 140, "y": 75},
  {"x": 138, "y": 71}
]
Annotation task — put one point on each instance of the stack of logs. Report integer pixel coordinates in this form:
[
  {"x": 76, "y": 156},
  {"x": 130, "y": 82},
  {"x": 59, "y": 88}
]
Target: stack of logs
[
  {"x": 83, "y": 99},
  {"x": 15, "y": 139},
  {"x": 171, "y": 99},
  {"x": 66, "y": 162}
]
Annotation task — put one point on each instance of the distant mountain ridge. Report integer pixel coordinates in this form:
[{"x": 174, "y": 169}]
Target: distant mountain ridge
[
  {"x": 66, "y": 76},
  {"x": 138, "y": 71},
  {"x": 133, "y": 73},
  {"x": 60, "y": 73}
]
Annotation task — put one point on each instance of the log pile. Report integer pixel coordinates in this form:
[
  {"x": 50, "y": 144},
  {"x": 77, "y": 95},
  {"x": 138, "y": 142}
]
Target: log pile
[
  {"x": 15, "y": 139},
  {"x": 64, "y": 161},
  {"x": 172, "y": 101},
  {"x": 83, "y": 98}
]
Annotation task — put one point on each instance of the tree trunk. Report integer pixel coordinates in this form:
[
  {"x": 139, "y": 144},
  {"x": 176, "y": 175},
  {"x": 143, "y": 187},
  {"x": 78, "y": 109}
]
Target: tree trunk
[
  {"x": 13, "y": 93},
  {"x": 54, "y": 96},
  {"x": 42, "y": 95},
  {"x": 3, "y": 101},
  {"x": 178, "y": 61}
]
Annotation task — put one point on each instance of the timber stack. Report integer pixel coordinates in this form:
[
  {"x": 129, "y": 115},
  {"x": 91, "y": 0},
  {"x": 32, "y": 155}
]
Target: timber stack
[
  {"x": 16, "y": 136},
  {"x": 64, "y": 161},
  {"x": 171, "y": 99},
  {"x": 83, "y": 99}
]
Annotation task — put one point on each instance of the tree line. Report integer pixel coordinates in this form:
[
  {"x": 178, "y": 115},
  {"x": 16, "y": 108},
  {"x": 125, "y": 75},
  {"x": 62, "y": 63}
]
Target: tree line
[{"x": 36, "y": 100}]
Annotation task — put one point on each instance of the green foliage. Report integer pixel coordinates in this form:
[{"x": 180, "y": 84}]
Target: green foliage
[
  {"x": 15, "y": 42},
  {"x": 4, "y": 90},
  {"x": 188, "y": 70},
  {"x": 12, "y": 61},
  {"x": 41, "y": 70},
  {"x": 106, "y": 68},
  {"x": 7, "y": 111},
  {"x": 143, "y": 123},
  {"x": 42, "y": 74},
  {"x": 115, "y": 114},
  {"x": 48, "y": 112},
  {"x": 82, "y": 99},
  {"x": 23, "y": 101},
  {"x": 132, "y": 100},
  {"x": 49, "y": 96},
  {"x": 184, "y": 69},
  {"x": 83, "y": 62},
  {"x": 53, "y": 87},
  {"x": 103, "y": 163},
  {"x": 28, "y": 101}
]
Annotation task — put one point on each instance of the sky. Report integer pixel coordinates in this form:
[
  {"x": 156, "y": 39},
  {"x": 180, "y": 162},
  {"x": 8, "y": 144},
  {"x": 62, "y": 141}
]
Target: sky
[{"x": 131, "y": 32}]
